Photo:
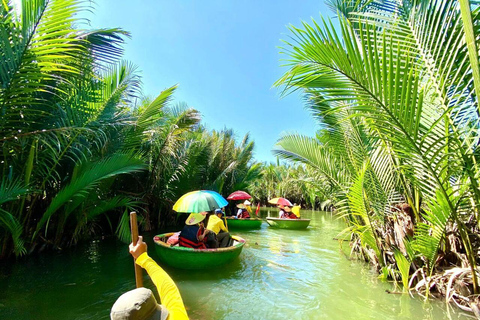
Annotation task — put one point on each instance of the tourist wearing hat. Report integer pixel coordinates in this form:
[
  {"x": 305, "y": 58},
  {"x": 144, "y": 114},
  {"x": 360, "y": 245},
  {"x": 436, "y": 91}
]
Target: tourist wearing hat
[
  {"x": 242, "y": 212},
  {"x": 288, "y": 213},
  {"x": 211, "y": 241},
  {"x": 215, "y": 224},
  {"x": 140, "y": 304},
  {"x": 194, "y": 234},
  {"x": 248, "y": 206}
]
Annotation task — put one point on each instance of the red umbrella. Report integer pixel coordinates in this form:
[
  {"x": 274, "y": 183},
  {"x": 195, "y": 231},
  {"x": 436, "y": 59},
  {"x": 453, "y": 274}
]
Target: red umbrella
[
  {"x": 239, "y": 195},
  {"x": 281, "y": 201}
]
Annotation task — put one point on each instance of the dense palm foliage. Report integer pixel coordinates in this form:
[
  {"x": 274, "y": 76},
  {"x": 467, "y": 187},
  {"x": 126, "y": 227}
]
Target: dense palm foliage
[
  {"x": 297, "y": 183},
  {"x": 78, "y": 150},
  {"x": 394, "y": 88}
]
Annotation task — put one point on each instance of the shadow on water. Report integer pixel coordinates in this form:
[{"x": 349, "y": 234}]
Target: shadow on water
[{"x": 280, "y": 274}]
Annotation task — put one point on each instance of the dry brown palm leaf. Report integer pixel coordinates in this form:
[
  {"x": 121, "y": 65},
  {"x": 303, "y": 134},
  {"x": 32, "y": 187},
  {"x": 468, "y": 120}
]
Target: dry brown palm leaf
[{"x": 453, "y": 274}]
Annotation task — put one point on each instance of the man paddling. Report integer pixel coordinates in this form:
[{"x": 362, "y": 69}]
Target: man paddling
[
  {"x": 216, "y": 224},
  {"x": 140, "y": 304}
]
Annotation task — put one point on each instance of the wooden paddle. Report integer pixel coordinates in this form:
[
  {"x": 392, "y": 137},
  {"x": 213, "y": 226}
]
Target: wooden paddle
[
  {"x": 226, "y": 224},
  {"x": 134, "y": 229}
]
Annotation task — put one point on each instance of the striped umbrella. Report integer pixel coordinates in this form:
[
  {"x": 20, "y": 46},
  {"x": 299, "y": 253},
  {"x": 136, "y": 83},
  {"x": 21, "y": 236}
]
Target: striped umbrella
[{"x": 200, "y": 201}]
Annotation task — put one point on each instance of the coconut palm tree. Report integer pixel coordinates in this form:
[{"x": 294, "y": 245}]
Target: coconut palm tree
[
  {"x": 55, "y": 107},
  {"x": 79, "y": 151},
  {"x": 406, "y": 72},
  {"x": 294, "y": 182}
]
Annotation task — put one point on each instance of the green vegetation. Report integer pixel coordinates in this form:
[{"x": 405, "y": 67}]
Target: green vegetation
[
  {"x": 394, "y": 88},
  {"x": 298, "y": 183},
  {"x": 81, "y": 146}
]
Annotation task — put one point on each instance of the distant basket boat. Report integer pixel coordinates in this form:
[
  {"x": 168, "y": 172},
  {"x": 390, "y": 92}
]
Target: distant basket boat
[
  {"x": 288, "y": 223},
  {"x": 188, "y": 258},
  {"x": 252, "y": 223}
]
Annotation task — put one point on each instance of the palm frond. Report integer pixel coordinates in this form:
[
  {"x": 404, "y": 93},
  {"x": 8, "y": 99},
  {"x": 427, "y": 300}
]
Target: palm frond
[
  {"x": 403, "y": 266},
  {"x": 309, "y": 151},
  {"x": 429, "y": 235},
  {"x": 15, "y": 228},
  {"x": 88, "y": 177},
  {"x": 123, "y": 229},
  {"x": 11, "y": 190}
]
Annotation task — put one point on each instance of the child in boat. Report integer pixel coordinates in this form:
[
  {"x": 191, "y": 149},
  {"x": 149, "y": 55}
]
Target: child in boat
[
  {"x": 215, "y": 224},
  {"x": 242, "y": 212},
  {"x": 141, "y": 303},
  {"x": 194, "y": 234}
]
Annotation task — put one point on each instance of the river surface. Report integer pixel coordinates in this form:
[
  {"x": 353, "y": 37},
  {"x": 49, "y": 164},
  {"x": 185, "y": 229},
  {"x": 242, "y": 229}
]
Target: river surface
[{"x": 281, "y": 274}]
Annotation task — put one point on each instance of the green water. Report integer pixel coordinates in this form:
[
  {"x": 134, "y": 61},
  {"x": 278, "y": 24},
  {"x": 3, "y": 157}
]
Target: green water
[{"x": 281, "y": 274}]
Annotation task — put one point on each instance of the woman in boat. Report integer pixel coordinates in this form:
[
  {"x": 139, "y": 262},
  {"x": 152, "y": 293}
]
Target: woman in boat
[
  {"x": 194, "y": 234},
  {"x": 141, "y": 303},
  {"x": 242, "y": 212},
  {"x": 289, "y": 213},
  {"x": 216, "y": 225}
]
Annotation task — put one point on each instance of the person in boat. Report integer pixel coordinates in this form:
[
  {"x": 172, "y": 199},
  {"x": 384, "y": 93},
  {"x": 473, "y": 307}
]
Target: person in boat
[
  {"x": 281, "y": 211},
  {"x": 289, "y": 213},
  {"x": 211, "y": 241},
  {"x": 242, "y": 212},
  {"x": 140, "y": 303},
  {"x": 248, "y": 206},
  {"x": 215, "y": 224},
  {"x": 194, "y": 234},
  {"x": 296, "y": 210}
]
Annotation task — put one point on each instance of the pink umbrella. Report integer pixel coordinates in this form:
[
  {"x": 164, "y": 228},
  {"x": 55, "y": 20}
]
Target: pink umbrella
[
  {"x": 281, "y": 201},
  {"x": 239, "y": 195}
]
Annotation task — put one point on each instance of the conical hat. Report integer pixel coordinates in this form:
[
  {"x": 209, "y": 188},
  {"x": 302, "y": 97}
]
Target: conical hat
[{"x": 194, "y": 218}]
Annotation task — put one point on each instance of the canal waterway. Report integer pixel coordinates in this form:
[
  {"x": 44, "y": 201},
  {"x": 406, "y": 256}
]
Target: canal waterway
[{"x": 281, "y": 274}]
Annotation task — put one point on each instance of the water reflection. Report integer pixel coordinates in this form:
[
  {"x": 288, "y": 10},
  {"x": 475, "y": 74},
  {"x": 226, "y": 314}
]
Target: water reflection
[
  {"x": 93, "y": 253},
  {"x": 281, "y": 274}
]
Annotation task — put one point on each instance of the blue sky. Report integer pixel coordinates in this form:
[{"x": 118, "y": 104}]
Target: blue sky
[{"x": 223, "y": 55}]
